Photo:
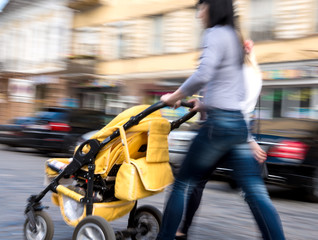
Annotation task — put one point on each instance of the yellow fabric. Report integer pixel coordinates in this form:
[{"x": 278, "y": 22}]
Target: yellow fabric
[
  {"x": 136, "y": 137},
  {"x": 106, "y": 157},
  {"x": 157, "y": 150},
  {"x": 154, "y": 176},
  {"x": 128, "y": 184},
  {"x": 54, "y": 199},
  {"x": 112, "y": 210},
  {"x": 139, "y": 178},
  {"x": 108, "y": 210}
]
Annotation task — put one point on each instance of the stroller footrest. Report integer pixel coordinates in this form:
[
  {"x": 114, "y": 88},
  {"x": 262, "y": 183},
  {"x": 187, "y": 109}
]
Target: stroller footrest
[
  {"x": 55, "y": 166},
  {"x": 69, "y": 193}
]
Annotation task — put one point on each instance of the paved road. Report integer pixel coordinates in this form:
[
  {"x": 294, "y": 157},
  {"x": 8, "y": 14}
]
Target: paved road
[{"x": 223, "y": 214}]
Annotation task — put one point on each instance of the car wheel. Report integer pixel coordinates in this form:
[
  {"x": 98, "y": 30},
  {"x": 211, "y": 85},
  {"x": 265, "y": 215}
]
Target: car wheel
[
  {"x": 312, "y": 190},
  {"x": 70, "y": 145},
  {"x": 44, "y": 227},
  {"x": 148, "y": 219},
  {"x": 93, "y": 227},
  {"x": 233, "y": 184}
]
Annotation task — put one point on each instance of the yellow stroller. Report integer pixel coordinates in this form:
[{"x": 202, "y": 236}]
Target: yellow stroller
[{"x": 125, "y": 161}]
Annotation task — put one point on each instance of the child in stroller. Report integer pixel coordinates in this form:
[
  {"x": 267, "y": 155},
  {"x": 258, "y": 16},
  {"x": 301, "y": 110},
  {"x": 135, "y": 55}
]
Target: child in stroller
[{"x": 126, "y": 160}]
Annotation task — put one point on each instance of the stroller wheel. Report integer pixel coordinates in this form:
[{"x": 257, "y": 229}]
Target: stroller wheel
[
  {"x": 44, "y": 227},
  {"x": 147, "y": 221},
  {"x": 93, "y": 227}
]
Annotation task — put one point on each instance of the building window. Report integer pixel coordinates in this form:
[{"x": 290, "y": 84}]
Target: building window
[
  {"x": 93, "y": 101},
  {"x": 182, "y": 31},
  {"x": 316, "y": 15},
  {"x": 261, "y": 20},
  {"x": 293, "y": 19},
  {"x": 264, "y": 109},
  {"x": 296, "y": 102},
  {"x": 86, "y": 42},
  {"x": 123, "y": 38},
  {"x": 157, "y": 32}
]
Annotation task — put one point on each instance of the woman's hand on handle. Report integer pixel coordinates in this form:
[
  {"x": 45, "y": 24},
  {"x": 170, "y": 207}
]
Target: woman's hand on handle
[
  {"x": 197, "y": 105},
  {"x": 172, "y": 99}
]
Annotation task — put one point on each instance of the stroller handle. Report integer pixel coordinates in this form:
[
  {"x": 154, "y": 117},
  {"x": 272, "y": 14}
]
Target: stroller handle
[
  {"x": 176, "y": 123},
  {"x": 136, "y": 119}
]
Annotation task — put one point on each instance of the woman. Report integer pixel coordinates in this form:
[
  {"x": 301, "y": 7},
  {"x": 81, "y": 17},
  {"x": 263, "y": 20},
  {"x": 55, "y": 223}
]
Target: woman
[
  {"x": 220, "y": 73},
  {"x": 250, "y": 170}
]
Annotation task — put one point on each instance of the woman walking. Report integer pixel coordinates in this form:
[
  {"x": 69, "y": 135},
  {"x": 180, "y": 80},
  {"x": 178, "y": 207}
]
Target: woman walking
[
  {"x": 220, "y": 74},
  {"x": 247, "y": 170}
]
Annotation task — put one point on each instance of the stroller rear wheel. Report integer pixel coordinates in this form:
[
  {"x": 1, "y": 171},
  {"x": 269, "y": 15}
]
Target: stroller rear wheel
[
  {"x": 44, "y": 227},
  {"x": 93, "y": 227},
  {"x": 148, "y": 220}
]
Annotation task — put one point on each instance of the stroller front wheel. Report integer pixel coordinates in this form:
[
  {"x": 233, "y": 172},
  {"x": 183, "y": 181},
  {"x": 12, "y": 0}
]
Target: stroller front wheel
[
  {"x": 94, "y": 227},
  {"x": 44, "y": 227}
]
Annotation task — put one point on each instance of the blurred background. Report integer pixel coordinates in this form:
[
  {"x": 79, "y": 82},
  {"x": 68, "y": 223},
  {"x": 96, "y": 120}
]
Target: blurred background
[
  {"x": 110, "y": 54},
  {"x": 67, "y": 67}
]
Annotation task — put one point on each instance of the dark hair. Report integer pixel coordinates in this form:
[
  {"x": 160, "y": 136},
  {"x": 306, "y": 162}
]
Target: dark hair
[{"x": 220, "y": 12}]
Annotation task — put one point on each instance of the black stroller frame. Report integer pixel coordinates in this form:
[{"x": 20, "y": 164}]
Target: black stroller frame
[{"x": 81, "y": 159}]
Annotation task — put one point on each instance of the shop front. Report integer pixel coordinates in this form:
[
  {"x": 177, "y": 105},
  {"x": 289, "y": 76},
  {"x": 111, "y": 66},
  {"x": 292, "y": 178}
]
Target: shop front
[{"x": 289, "y": 100}]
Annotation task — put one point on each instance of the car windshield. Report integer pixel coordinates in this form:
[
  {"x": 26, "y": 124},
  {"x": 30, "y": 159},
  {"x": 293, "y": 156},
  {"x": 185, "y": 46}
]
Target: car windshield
[{"x": 52, "y": 116}]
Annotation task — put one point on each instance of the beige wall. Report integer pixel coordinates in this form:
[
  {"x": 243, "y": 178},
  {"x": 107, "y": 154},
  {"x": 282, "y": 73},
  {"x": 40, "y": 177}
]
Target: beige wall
[
  {"x": 288, "y": 50},
  {"x": 139, "y": 66},
  {"x": 128, "y": 9},
  {"x": 184, "y": 61},
  {"x": 138, "y": 59},
  {"x": 295, "y": 18}
]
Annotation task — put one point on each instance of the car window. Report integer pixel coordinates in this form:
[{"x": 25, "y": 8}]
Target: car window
[
  {"x": 23, "y": 120},
  {"x": 83, "y": 118},
  {"x": 52, "y": 116}
]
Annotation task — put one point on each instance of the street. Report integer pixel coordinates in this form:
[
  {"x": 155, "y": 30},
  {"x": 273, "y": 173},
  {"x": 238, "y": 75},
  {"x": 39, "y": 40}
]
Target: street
[{"x": 223, "y": 214}]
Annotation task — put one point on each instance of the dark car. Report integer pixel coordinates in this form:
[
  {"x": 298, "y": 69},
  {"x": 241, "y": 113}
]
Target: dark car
[
  {"x": 57, "y": 130},
  {"x": 11, "y": 134},
  {"x": 291, "y": 161}
]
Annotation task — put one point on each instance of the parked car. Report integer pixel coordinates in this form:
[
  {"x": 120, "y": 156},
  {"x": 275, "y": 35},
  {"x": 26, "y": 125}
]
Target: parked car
[
  {"x": 11, "y": 134},
  {"x": 291, "y": 162},
  {"x": 56, "y": 130}
]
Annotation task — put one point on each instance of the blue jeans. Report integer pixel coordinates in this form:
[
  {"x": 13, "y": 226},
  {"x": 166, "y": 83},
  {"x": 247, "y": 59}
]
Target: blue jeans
[
  {"x": 247, "y": 173},
  {"x": 222, "y": 132}
]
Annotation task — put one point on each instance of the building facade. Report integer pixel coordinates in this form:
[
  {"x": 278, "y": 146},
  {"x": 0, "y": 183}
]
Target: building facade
[
  {"x": 154, "y": 48},
  {"x": 34, "y": 43},
  {"x": 124, "y": 52},
  {"x": 138, "y": 54}
]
